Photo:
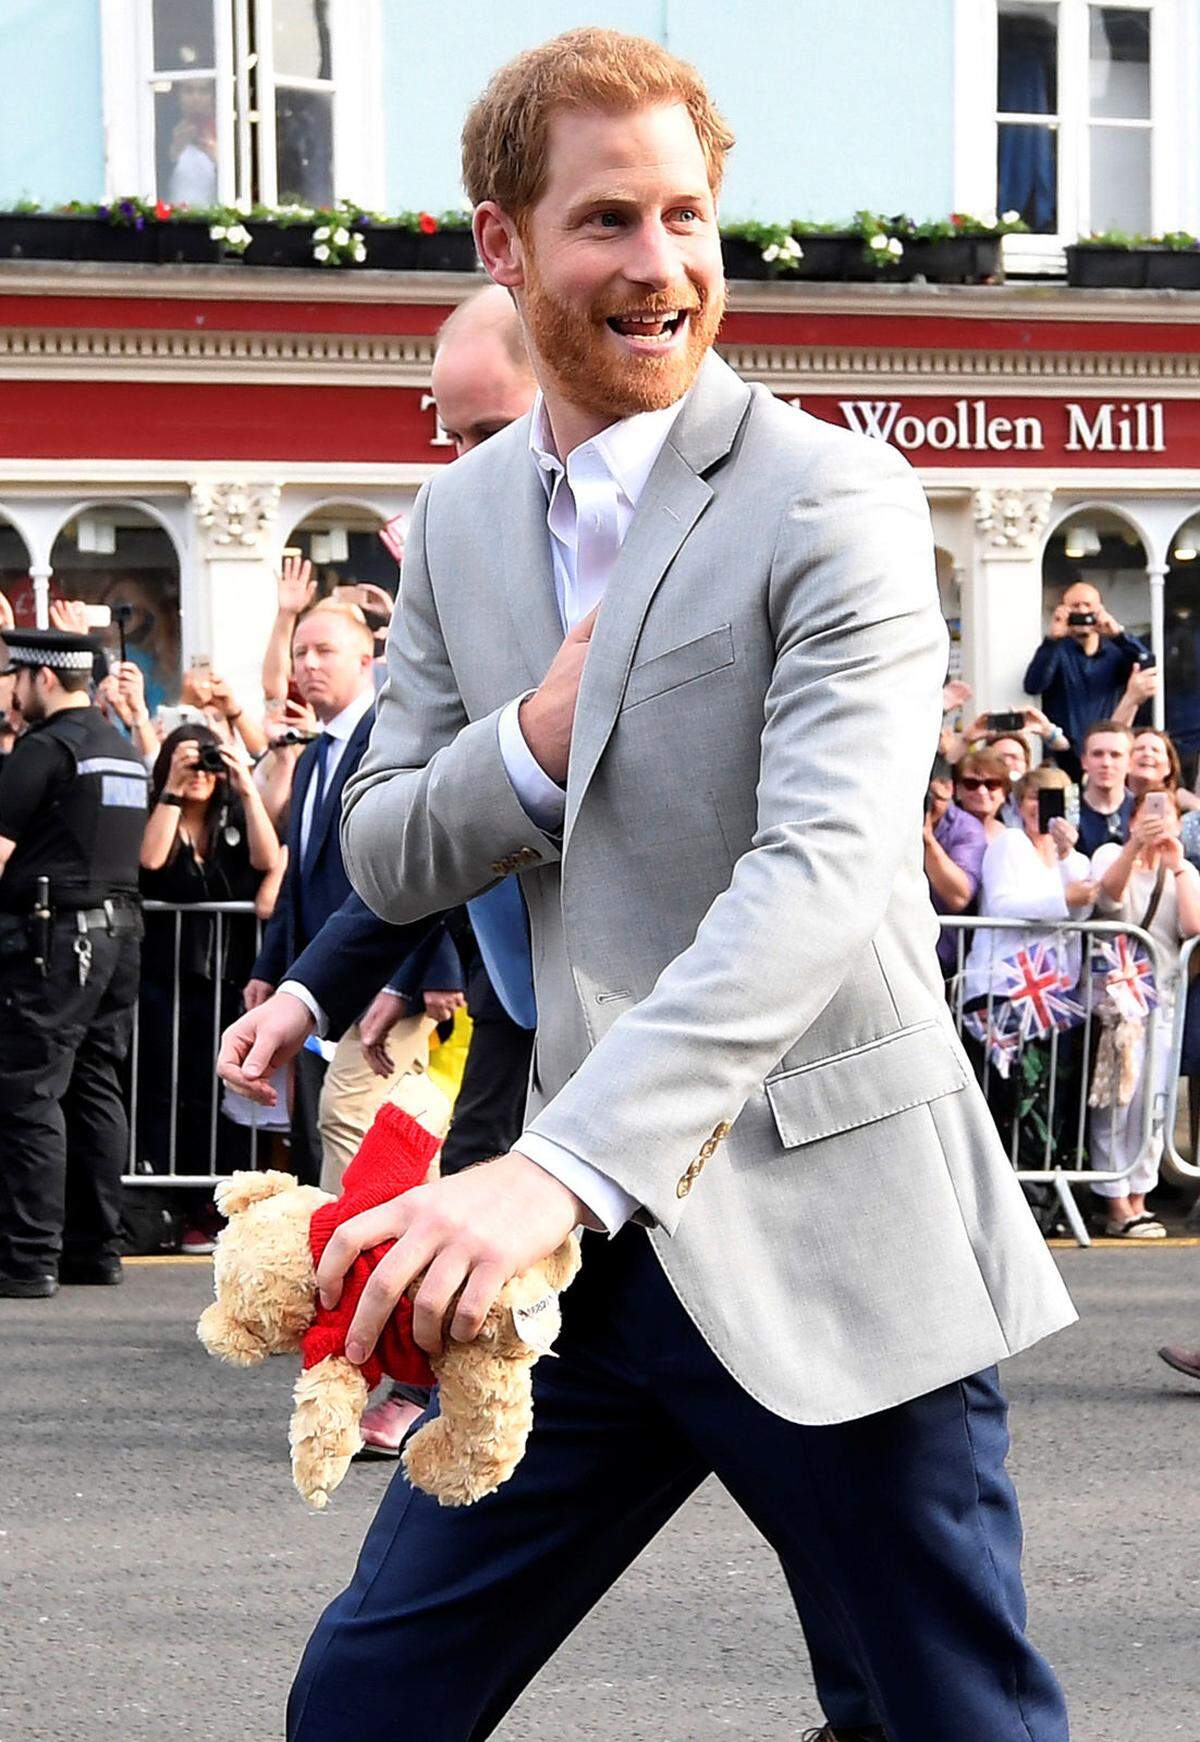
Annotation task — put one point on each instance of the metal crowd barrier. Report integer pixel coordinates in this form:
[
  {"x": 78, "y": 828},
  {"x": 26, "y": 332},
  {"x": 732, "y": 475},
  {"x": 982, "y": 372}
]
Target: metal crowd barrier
[
  {"x": 1189, "y": 1167},
  {"x": 162, "y": 1169},
  {"x": 1061, "y": 1169}
]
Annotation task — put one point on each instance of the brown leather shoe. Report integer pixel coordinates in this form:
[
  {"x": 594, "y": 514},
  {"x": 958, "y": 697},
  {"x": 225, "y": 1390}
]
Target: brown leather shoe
[{"x": 1183, "y": 1360}]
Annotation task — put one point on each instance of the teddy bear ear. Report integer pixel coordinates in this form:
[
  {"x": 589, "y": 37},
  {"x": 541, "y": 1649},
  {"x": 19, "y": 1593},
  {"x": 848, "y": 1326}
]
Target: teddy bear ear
[
  {"x": 241, "y": 1190},
  {"x": 223, "y": 1335}
]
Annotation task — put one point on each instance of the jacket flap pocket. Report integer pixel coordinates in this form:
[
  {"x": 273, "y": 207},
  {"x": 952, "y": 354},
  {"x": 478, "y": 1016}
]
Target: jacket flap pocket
[
  {"x": 679, "y": 665},
  {"x": 871, "y": 1082}
]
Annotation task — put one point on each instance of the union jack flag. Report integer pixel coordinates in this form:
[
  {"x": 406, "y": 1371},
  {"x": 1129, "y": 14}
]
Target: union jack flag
[
  {"x": 1002, "y": 1043},
  {"x": 1125, "y": 975},
  {"x": 1039, "y": 991}
]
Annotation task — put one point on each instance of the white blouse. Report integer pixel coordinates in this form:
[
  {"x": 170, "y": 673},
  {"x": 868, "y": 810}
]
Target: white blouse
[{"x": 1016, "y": 884}]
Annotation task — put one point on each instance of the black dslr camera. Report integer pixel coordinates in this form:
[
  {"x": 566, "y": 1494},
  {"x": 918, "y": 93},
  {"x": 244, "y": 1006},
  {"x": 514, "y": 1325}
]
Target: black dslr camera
[{"x": 210, "y": 760}]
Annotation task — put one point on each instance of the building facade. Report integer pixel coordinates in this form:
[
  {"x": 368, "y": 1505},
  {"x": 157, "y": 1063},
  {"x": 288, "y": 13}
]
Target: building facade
[{"x": 167, "y": 431}]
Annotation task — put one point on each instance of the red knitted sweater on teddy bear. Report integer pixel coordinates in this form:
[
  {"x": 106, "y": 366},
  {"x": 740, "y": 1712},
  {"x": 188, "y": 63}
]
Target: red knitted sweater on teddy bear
[{"x": 395, "y": 1156}]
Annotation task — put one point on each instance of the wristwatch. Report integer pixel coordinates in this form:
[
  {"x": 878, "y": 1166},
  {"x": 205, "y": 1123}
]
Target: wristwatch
[{"x": 171, "y": 798}]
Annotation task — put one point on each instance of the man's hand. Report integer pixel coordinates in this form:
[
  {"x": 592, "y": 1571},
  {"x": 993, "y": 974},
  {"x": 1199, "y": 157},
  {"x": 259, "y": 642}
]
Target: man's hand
[
  {"x": 1141, "y": 685},
  {"x": 69, "y": 615},
  {"x": 442, "y": 1005},
  {"x": 375, "y": 1024},
  {"x": 272, "y": 1031},
  {"x": 131, "y": 692},
  {"x": 1106, "y": 623},
  {"x": 256, "y": 992},
  {"x": 548, "y": 715},
  {"x": 296, "y": 586},
  {"x": 7, "y": 620},
  {"x": 1058, "y": 624},
  {"x": 469, "y": 1233}
]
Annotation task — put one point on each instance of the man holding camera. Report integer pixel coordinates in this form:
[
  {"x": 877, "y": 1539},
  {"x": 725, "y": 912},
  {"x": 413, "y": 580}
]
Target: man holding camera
[
  {"x": 72, "y": 811},
  {"x": 1083, "y": 666}
]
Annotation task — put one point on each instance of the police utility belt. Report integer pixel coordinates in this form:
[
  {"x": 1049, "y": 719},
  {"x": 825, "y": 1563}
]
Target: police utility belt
[{"x": 117, "y": 916}]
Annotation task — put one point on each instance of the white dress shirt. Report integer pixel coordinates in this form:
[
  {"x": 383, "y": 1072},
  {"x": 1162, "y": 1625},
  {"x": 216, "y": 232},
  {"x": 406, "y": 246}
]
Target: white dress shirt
[
  {"x": 340, "y": 730},
  {"x": 592, "y": 500}
]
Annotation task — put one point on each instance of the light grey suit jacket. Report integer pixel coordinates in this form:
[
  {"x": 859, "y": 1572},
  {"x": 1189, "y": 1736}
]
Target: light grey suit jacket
[{"x": 741, "y": 1018}]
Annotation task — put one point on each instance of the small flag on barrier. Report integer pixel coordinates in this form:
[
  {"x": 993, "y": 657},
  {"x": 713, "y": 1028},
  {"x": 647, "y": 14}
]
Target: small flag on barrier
[{"x": 1124, "y": 976}]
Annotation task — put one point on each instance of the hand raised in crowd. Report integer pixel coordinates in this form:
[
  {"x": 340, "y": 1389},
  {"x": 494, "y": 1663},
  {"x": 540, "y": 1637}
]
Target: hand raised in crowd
[
  {"x": 296, "y": 586},
  {"x": 238, "y": 772},
  {"x": 1106, "y": 623},
  {"x": 7, "y": 620},
  {"x": 272, "y": 1031},
  {"x": 375, "y": 1024},
  {"x": 125, "y": 689},
  {"x": 1064, "y": 835},
  {"x": 1171, "y": 853},
  {"x": 69, "y": 615},
  {"x": 442, "y": 1005},
  {"x": 296, "y": 717},
  {"x": 955, "y": 694},
  {"x": 185, "y": 759},
  {"x": 548, "y": 715},
  {"x": 1142, "y": 685},
  {"x": 222, "y": 698}
]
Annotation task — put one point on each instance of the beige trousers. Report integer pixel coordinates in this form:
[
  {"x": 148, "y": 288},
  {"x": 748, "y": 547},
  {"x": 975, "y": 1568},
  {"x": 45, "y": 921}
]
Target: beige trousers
[{"x": 352, "y": 1094}]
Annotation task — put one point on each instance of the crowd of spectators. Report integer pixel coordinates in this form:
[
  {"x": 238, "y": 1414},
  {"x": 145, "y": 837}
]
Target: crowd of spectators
[
  {"x": 1121, "y": 841},
  {"x": 1099, "y": 824}
]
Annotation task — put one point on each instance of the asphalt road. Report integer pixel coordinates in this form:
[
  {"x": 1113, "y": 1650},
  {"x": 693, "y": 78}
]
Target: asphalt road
[{"x": 158, "y": 1575}]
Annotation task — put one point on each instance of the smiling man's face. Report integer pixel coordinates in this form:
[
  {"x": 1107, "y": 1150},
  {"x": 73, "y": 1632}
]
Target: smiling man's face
[{"x": 623, "y": 287}]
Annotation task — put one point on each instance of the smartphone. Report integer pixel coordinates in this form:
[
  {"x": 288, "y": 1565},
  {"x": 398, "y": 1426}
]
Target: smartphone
[
  {"x": 294, "y": 695},
  {"x": 1051, "y": 803},
  {"x": 1149, "y": 663},
  {"x": 1013, "y": 721},
  {"x": 1155, "y": 805},
  {"x": 1081, "y": 619},
  {"x": 98, "y": 616}
]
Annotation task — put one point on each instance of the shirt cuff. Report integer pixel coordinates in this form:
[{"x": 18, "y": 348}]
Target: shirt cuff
[
  {"x": 543, "y": 800},
  {"x": 310, "y": 1004},
  {"x": 610, "y": 1203}
]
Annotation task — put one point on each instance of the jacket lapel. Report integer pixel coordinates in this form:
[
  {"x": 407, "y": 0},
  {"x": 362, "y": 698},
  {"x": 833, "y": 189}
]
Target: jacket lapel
[
  {"x": 675, "y": 497},
  {"x": 528, "y": 565}
]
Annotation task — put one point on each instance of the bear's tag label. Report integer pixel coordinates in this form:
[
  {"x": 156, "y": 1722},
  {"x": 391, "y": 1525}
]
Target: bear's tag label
[{"x": 539, "y": 1323}]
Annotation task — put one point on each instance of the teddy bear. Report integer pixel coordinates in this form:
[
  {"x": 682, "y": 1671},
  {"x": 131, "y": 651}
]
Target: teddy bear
[{"x": 265, "y": 1281}]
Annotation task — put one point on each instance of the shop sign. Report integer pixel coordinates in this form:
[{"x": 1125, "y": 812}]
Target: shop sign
[{"x": 1067, "y": 431}]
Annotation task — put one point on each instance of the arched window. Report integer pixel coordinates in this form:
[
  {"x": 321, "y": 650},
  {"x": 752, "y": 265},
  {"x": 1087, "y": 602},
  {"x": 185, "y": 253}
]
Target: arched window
[{"x": 116, "y": 555}]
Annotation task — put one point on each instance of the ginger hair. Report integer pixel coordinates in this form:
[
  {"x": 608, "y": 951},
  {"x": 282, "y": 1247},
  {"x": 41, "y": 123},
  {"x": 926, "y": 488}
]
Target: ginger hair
[{"x": 504, "y": 138}]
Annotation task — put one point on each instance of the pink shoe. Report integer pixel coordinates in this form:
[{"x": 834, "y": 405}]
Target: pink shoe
[{"x": 384, "y": 1426}]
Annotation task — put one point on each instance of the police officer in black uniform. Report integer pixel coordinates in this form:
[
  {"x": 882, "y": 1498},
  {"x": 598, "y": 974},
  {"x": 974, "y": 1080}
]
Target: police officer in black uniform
[{"x": 72, "y": 811}]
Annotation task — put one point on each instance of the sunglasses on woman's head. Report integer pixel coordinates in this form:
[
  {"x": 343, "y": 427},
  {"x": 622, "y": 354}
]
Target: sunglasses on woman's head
[{"x": 970, "y": 783}]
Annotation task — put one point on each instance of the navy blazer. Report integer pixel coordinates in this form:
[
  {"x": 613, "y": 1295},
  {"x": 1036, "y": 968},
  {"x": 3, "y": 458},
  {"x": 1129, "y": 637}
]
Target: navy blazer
[
  {"x": 355, "y": 955},
  {"x": 296, "y": 921}
]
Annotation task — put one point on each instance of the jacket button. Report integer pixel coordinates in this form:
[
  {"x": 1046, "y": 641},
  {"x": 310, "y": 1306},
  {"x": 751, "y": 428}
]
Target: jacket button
[
  {"x": 721, "y": 1132},
  {"x": 684, "y": 1186}
]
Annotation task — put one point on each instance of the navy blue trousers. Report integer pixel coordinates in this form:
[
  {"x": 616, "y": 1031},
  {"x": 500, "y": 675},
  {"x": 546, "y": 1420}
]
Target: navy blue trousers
[{"x": 898, "y": 1533}]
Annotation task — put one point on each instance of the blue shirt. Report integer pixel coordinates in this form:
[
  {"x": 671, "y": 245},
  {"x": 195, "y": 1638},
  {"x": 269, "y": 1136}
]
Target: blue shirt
[{"x": 1079, "y": 688}]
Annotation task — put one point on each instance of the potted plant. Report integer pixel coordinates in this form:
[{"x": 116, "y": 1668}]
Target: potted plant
[
  {"x": 1117, "y": 260},
  {"x": 120, "y": 231},
  {"x": 960, "y": 249},
  {"x": 444, "y": 243}
]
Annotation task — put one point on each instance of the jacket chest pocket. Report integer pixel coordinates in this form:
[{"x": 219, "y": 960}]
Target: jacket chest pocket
[{"x": 679, "y": 666}]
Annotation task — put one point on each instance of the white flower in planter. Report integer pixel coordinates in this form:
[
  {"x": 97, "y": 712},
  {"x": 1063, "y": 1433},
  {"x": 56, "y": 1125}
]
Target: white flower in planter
[
  {"x": 360, "y": 251},
  {"x": 772, "y": 252},
  {"x": 792, "y": 250},
  {"x": 895, "y": 247},
  {"x": 879, "y": 243},
  {"x": 321, "y": 252},
  {"x": 238, "y": 236},
  {"x": 218, "y": 233},
  {"x": 321, "y": 235},
  {"x": 1010, "y": 218},
  {"x": 341, "y": 237}
]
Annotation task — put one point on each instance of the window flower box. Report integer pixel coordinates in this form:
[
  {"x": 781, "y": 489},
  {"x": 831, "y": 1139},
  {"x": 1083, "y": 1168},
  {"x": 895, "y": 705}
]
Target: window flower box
[
  {"x": 63, "y": 236},
  {"x": 1135, "y": 264}
]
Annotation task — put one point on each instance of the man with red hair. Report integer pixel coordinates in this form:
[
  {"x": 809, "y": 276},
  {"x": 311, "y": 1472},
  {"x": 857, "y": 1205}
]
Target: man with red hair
[{"x": 745, "y": 1073}]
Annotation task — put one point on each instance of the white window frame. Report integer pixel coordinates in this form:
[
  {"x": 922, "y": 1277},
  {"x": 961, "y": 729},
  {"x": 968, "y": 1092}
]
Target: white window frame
[
  {"x": 1175, "y": 139},
  {"x": 127, "y": 51}
]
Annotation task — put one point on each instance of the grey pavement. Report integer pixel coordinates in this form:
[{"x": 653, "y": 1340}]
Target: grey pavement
[{"x": 158, "y": 1574}]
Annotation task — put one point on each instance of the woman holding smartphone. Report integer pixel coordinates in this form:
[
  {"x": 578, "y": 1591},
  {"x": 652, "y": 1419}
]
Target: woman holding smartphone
[{"x": 1149, "y": 883}]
